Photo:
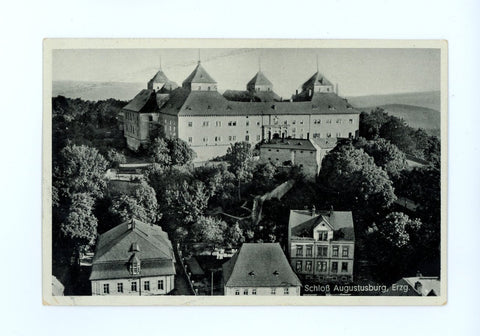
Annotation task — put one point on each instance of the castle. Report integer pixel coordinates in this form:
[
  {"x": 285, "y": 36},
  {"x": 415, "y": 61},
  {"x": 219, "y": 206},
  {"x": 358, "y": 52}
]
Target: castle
[{"x": 209, "y": 121}]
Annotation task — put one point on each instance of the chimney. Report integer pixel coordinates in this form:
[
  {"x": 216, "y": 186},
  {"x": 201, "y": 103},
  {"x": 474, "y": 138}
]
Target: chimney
[
  {"x": 296, "y": 92},
  {"x": 314, "y": 210},
  {"x": 131, "y": 225},
  {"x": 331, "y": 210}
]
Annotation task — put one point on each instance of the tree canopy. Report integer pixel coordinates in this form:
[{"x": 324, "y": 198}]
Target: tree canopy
[
  {"x": 240, "y": 157},
  {"x": 80, "y": 225}
]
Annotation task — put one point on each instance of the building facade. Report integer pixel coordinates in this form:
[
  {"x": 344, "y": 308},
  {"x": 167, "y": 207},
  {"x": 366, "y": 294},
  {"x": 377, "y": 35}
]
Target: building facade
[
  {"x": 305, "y": 153},
  {"x": 321, "y": 245},
  {"x": 260, "y": 269},
  {"x": 133, "y": 258},
  {"x": 209, "y": 121}
]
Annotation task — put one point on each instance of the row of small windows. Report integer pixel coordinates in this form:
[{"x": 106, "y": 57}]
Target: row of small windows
[
  {"x": 322, "y": 251},
  {"x": 218, "y": 123},
  {"x": 322, "y": 266},
  {"x": 133, "y": 286},
  {"x": 273, "y": 291},
  {"x": 294, "y": 122},
  {"x": 131, "y": 129},
  {"x": 219, "y": 138}
]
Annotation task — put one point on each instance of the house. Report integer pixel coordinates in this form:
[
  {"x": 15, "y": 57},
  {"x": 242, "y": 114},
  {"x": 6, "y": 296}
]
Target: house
[
  {"x": 321, "y": 245},
  {"x": 209, "y": 121},
  {"x": 415, "y": 286},
  {"x": 260, "y": 269},
  {"x": 133, "y": 258},
  {"x": 306, "y": 153}
]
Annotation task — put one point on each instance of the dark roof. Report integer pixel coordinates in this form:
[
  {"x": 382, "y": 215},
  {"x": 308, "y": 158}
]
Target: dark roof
[
  {"x": 259, "y": 79},
  {"x": 316, "y": 79},
  {"x": 113, "y": 250},
  {"x": 251, "y": 96},
  {"x": 430, "y": 285},
  {"x": 325, "y": 143},
  {"x": 196, "y": 103},
  {"x": 301, "y": 144},
  {"x": 199, "y": 75},
  {"x": 145, "y": 101},
  {"x": 259, "y": 265},
  {"x": 302, "y": 222}
]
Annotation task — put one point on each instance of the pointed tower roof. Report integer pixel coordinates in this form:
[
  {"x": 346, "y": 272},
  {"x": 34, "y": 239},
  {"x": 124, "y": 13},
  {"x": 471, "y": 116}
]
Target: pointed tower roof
[
  {"x": 199, "y": 75},
  {"x": 316, "y": 79},
  {"x": 160, "y": 77},
  {"x": 259, "y": 79}
]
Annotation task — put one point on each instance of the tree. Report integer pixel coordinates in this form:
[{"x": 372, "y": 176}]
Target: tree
[
  {"x": 351, "y": 178},
  {"x": 397, "y": 229},
  {"x": 385, "y": 154},
  {"x": 180, "y": 152},
  {"x": 264, "y": 177},
  {"x": 159, "y": 152},
  {"x": 80, "y": 225},
  {"x": 209, "y": 230},
  {"x": 142, "y": 204},
  {"x": 234, "y": 235},
  {"x": 240, "y": 157},
  {"x": 80, "y": 169},
  {"x": 370, "y": 123},
  {"x": 115, "y": 157},
  {"x": 397, "y": 131},
  {"x": 219, "y": 182}
]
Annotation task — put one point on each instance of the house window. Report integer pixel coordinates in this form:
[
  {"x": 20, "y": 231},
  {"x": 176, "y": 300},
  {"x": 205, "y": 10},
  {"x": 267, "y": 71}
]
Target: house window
[
  {"x": 218, "y": 123},
  {"x": 285, "y": 291},
  {"x": 323, "y": 235},
  {"x": 247, "y": 138},
  {"x": 344, "y": 266},
  {"x": 190, "y": 124},
  {"x": 190, "y": 139},
  {"x": 245, "y": 291},
  {"x": 345, "y": 251},
  {"x": 254, "y": 291},
  {"x": 134, "y": 286},
  {"x": 298, "y": 265},
  {"x": 322, "y": 251},
  {"x": 308, "y": 266},
  {"x": 334, "y": 267},
  {"x": 335, "y": 251},
  {"x": 160, "y": 284},
  {"x": 205, "y": 124},
  {"x": 106, "y": 289},
  {"x": 309, "y": 250},
  {"x": 321, "y": 266},
  {"x": 146, "y": 285},
  {"x": 120, "y": 287},
  {"x": 273, "y": 291},
  {"x": 237, "y": 292},
  {"x": 299, "y": 250}
]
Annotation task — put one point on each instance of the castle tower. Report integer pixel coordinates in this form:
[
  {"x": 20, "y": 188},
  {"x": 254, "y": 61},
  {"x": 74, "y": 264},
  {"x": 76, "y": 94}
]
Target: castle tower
[
  {"x": 199, "y": 80},
  {"x": 317, "y": 83},
  {"x": 259, "y": 83},
  {"x": 160, "y": 82}
]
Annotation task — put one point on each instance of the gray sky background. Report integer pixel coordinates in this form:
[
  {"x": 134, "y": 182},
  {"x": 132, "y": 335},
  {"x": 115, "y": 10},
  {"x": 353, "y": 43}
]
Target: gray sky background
[{"x": 357, "y": 71}]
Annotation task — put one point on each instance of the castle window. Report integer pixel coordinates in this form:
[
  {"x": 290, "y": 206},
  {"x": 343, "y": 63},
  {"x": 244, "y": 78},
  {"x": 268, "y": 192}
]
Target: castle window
[
  {"x": 350, "y": 121},
  {"x": 329, "y": 121},
  {"x": 190, "y": 139},
  {"x": 190, "y": 124},
  {"x": 301, "y": 122},
  {"x": 258, "y": 137},
  {"x": 247, "y": 138},
  {"x": 258, "y": 123},
  {"x": 205, "y": 124},
  {"x": 329, "y": 135},
  {"x": 338, "y": 134},
  {"x": 339, "y": 121},
  {"x": 247, "y": 123},
  {"x": 218, "y": 123}
]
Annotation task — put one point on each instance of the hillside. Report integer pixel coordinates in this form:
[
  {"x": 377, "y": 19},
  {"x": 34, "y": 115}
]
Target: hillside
[
  {"x": 96, "y": 90},
  {"x": 414, "y": 116},
  {"x": 429, "y": 100}
]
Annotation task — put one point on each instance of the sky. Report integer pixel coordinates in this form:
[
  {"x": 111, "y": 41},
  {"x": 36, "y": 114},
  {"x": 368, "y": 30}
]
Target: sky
[{"x": 356, "y": 71}]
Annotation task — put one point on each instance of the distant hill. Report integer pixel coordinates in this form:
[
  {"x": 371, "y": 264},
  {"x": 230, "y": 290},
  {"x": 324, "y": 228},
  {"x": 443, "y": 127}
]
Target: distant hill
[
  {"x": 430, "y": 100},
  {"x": 96, "y": 90},
  {"x": 414, "y": 116}
]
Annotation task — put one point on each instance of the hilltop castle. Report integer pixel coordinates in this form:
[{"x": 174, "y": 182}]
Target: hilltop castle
[{"x": 209, "y": 121}]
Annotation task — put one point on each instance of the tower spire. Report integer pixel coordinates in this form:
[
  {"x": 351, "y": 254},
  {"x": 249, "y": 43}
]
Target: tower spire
[
  {"x": 317, "y": 62},
  {"x": 160, "y": 62},
  {"x": 199, "y": 58},
  {"x": 259, "y": 63}
]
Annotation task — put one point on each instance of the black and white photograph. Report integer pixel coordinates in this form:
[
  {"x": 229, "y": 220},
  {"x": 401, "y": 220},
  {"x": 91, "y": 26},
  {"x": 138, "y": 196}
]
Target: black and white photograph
[{"x": 236, "y": 172}]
